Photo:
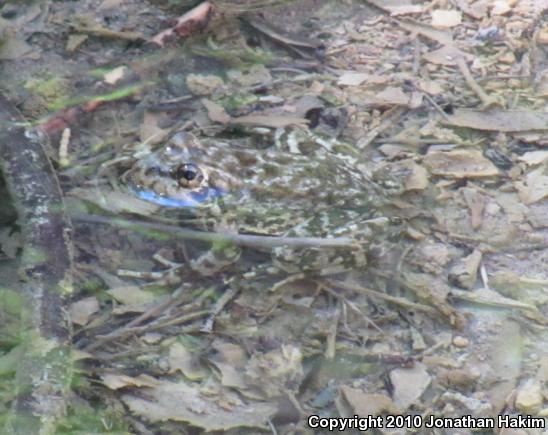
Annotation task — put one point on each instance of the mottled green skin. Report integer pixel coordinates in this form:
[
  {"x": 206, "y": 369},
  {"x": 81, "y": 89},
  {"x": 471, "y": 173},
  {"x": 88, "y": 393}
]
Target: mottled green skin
[{"x": 277, "y": 191}]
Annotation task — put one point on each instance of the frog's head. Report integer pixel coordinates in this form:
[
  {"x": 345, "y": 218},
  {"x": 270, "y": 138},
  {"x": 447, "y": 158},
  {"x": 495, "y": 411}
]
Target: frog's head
[{"x": 176, "y": 175}]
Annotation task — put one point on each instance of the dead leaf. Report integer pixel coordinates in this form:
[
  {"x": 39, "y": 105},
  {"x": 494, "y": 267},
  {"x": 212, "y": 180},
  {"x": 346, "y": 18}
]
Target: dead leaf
[
  {"x": 12, "y": 48},
  {"x": 399, "y": 7},
  {"x": 81, "y": 311},
  {"x": 392, "y": 96},
  {"x": 256, "y": 75},
  {"x": 352, "y": 78},
  {"x": 446, "y": 18},
  {"x": 115, "y": 75},
  {"x": 499, "y": 120},
  {"x": 542, "y": 37},
  {"x": 203, "y": 84},
  {"x": 431, "y": 87},
  {"x": 109, "y": 4},
  {"x": 150, "y": 132},
  {"x": 132, "y": 295},
  {"x": 364, "y": 404},
  {"x": 460, "y": 163},
  {"x": 464, "y": 272},
  {"x": 500, "y": 7},
  {"x": 476, "y": 10},
  {"x": 233, "y": 377},
  {"x": 533, "y": 158},
  {"x": 441, "y": 36},
  {"x": 75, "y": 41},
  {"x": 529, "y": 398},
  {"x": 181, "y": 401},
  {"x": 409, "y": 384},
  {"x": 475, "y": 202},
  {"x": 446, "y": 55},
  {"x": 275, "y": 371},
  {"x": 534, "y": 187},
  {"x": 273, "y": 121},
  {"x": 216, "y": 112},
  {"x": 116, "y": 381},
  {"x": 181, "y": 359},
  {"x": 417, "y": 179}
]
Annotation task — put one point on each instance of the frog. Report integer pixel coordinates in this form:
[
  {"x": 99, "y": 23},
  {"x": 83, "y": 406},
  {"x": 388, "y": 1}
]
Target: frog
[{"x": 275, "y": 191}]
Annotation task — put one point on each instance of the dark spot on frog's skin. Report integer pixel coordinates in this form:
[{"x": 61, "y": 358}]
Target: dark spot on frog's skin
[{"x": 156, "y": 171}]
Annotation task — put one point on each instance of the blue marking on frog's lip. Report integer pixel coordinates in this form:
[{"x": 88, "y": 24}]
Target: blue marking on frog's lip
[{"x": 194, "y": 198}]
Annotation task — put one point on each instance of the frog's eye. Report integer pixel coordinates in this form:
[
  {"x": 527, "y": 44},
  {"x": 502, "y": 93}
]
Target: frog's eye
[{"x": 188, "y": 175}]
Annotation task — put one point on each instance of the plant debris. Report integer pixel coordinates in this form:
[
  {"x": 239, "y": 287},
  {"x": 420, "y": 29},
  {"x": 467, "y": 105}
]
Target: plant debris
[{"x": 186, "y": 322}]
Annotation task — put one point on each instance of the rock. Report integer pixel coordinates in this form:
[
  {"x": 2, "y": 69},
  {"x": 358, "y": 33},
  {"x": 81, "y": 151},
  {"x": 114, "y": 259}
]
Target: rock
[
  {"x": 460, "y": 341},
  {"x": 529, "y": 398}
]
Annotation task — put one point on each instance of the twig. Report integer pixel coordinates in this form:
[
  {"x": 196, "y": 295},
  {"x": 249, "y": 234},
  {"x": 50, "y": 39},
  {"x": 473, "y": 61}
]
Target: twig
[
  {"x": 125, "y": 330},
  {"x": 488, "y": 102},
  {"x": 227, "y": 296},
  {"x": 392, "y": 299},
  {"x": 353, "y": 307},
  {"x": 331, "y": 341},
  {"x": 389, "y": 117},
  {"x": 247, "y": 240},
  {"x": 416, "y": 55}
]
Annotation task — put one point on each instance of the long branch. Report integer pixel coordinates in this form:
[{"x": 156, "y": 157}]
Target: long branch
[{"x": 44, "y": 373}]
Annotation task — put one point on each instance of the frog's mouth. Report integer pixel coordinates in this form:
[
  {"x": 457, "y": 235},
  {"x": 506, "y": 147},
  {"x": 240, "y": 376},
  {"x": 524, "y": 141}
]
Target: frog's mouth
[{"x": 188, "y": 199}]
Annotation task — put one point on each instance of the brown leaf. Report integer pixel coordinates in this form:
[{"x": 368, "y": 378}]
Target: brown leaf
[
  {"x": 216, "y": 112},
  {"x": 533, "y": 158},
  {"x": 150, "y": 132},
  {"x": 409, "y": 384},
  {"x": 364, "y": 404},
  {"x": 534, "y": 187},
  {"x": 81, "y": 311},
  {"x": 446, "y": 55},
  {"x": 442, "y": 36},
  {"x": 115, "y": 381},
  {"x": 181, "y": 401},
  {"x": 499, "y": 120},
  {"x": 273, "y": 121},
  {"x": 131, "y": 295},
  {"x": 181, "y": 359},
  {"x": 398, "y": 8},
  {"x": 475, "y": 202},
  {"x": 459, "y": 163},
  {"x": 12, "y": 48},
  {"x": 417, "y": 179},
  {"x": 464, "y": 272},
  {"x": 442, "y": 18},
  {"x": 392, "y": 96}
]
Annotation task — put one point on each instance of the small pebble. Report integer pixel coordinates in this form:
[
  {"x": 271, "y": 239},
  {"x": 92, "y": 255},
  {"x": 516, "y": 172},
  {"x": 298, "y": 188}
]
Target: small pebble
[{"x": 459, "y": 341}]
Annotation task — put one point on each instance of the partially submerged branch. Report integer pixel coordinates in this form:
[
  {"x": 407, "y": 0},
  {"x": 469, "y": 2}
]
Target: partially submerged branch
[{"x": 44, "y": 372}]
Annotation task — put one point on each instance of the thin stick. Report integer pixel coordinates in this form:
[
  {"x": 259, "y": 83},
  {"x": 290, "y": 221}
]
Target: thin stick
[
  {"x": 392, "y": 299},
  {"x": 488, "y": 102},
  {"x": 247, "y": 240}
]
